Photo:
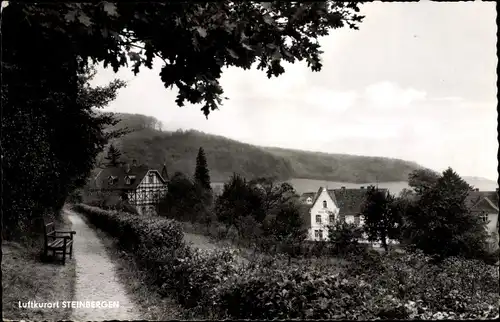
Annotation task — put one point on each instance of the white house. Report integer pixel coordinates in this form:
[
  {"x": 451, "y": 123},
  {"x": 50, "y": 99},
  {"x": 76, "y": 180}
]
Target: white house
[
  {"x": 485, "y": 205},
  {"x": 329, "y": 205}
]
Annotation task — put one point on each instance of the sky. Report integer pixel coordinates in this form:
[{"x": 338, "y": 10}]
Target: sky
[{"x": 417, "y": 82}]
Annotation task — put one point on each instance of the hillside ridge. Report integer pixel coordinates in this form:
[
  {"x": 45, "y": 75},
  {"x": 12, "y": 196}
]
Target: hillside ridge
[{"x": 150, "y": 144}]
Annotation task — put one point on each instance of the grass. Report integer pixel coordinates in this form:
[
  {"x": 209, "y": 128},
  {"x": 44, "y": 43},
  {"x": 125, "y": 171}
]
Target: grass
[
  {"x": 141, "y": 290},
  {"x": 198, "y": 236},
  {"x": 26, "y": 278}
]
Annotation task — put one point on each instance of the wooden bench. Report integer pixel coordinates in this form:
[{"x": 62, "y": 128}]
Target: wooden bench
[{"x": 58, "y": 241}]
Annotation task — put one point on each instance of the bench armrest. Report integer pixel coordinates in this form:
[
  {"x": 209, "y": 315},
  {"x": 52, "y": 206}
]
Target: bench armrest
[
  {"x": 64, "y": 234},
  {"x": 72, "y": 232}
]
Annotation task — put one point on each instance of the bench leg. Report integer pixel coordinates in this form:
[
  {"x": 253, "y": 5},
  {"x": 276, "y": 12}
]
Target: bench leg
[
  {"x": 64, "y": 252},
  {"x": 71, "y": 251}
]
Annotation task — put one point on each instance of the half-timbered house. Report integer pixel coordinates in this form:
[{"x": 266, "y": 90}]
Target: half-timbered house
[{"x": 139, "y": 185}]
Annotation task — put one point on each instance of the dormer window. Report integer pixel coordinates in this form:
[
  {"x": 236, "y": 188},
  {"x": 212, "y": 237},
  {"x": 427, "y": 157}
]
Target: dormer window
[
  {"x": 112, "y": 180},
  {"x": 309, "y": 200},
  {"x": 127, "y": 180},
  {"x": 325, "y": 204}
]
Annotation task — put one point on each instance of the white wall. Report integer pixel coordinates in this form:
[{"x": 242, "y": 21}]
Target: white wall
[
  {"x": 491, "y": 225},
  {"x": 317, "y": 209}
]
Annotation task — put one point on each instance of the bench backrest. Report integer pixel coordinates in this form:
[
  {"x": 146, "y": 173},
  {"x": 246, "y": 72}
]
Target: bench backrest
[{"x": 48, "y": 230}]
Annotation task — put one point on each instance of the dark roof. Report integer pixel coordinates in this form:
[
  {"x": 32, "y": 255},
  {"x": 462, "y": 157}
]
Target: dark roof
[
  {"x": 479, "y": 201},
  {"x": 306, "y": 195},
  {"x": 120, "y": 173},
  {"x": 350, "y": 201}
]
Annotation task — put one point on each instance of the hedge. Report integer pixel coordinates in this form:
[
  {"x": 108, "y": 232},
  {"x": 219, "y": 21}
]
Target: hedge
[{"x": 372, "y": 286}]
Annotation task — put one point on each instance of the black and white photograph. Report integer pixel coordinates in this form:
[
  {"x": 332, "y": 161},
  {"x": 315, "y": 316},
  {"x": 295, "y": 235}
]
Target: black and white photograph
[{"x": 245, "y": 160}]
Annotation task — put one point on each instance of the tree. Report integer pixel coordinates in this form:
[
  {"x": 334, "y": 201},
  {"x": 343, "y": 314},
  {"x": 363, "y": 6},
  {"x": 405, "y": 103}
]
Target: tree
[
  {"x": 164, "y": 171},
  {"x": 287, "y": 225},
  {"x": 40, "y": 169},
  {"x": 343, "y": 236},
  {"x": 201, "y": 174},
  {"x": 48, "y": 46},
  {"x": 113, "y": 156},
  {"x": 274, "y": 195},
  {"x": 238, "y": 199},
  {"x": 382, "y": 219},
  {"x": 207, "y": 36},
  {"x": 422, "y": 179},
  {"x": 440, "y": 223},
  {"x": 184, "y": 200}
]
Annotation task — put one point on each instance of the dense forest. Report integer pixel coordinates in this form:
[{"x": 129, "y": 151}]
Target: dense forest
[{"x": 149, "y": 144}]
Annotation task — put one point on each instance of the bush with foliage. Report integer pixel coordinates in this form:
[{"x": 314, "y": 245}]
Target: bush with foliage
[
  {"x": 186, "y": 200},
  {"x": 390, "y": 286},
  {"x": 344, "y": 237},
  {"x": 440, "y": 223}
]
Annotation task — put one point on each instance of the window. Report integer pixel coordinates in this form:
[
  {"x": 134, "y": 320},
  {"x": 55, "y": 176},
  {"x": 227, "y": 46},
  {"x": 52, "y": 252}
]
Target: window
[
  {"x": 484, "y": 217},
  {"x": 325, "y": 205},
  {"x": 309, "y": 200},
  {"x": 320, "y": 234},
  {"x": 316, "y": 234},
  {"x": 318, "y": 219},
  {"x": 112, "y": 180},
  {"x": 127, "y": 180},
  {"x": 331, "y": 218}
]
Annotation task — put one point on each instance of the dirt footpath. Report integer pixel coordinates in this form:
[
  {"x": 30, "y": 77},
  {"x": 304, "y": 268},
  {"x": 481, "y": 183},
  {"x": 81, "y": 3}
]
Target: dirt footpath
[{"x": 95, "y": 277}]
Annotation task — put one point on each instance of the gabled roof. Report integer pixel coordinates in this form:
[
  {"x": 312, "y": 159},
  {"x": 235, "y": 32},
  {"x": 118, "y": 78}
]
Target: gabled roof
[
  {"x": 349, "y": 201},
  {"x": 121, "y": 173},
  {"x": 484, "y": 204},
  {"x": 474, "y": 200},
  {"x": 316, "y": 196}
]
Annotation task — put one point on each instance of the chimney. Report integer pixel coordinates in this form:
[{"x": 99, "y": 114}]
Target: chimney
[
  {"x": 324, "y": 188},
  {"x": 134, "y": 163},
  {"x": 343, "y": 188},
  {"x": 127, "y": 168},
  {"x": 477, "y": 189},
  {"x": 362, "y": 187}
]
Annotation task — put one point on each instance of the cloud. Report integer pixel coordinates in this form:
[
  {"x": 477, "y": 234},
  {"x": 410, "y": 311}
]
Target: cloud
[{"x": 388, "y": 95}]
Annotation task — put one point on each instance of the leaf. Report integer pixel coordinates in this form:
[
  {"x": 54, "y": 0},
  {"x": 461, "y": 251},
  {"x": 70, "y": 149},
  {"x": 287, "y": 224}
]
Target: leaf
[
  {"x": 247, "y": 47},
  {"x": 84, "y": 19},
  {"x": 233, "y": 53},
  {"x": 266, "y": 5},
  {"x": 110, "y": 9},
  {"x": 70, "y": 16},
  {"x": 268, "y": 19},
  {"x": 134, "y": 56},
  {"x": 202, "y": 31}
]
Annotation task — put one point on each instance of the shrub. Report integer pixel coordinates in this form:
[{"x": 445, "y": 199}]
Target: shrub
[{"x": 371, "y": 286}]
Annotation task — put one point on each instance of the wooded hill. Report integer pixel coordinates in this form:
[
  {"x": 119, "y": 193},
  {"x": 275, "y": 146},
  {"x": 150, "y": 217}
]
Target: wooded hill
[{"x": 148, "y": 144}]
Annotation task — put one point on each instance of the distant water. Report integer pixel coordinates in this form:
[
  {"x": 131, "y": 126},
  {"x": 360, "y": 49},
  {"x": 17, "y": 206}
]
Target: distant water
[
  {"x": 311, "y": 185},
  {"x": 395, "y": 187}
]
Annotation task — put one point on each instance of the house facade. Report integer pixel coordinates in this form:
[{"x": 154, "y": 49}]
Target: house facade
[
  {"x": 326, "y": 206},
  {"x": 485, "y": 205},
  {"x": 139, "y": 185}
]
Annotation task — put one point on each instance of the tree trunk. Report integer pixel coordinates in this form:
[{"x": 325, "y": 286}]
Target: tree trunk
[{"x": 384, "y": 243}]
